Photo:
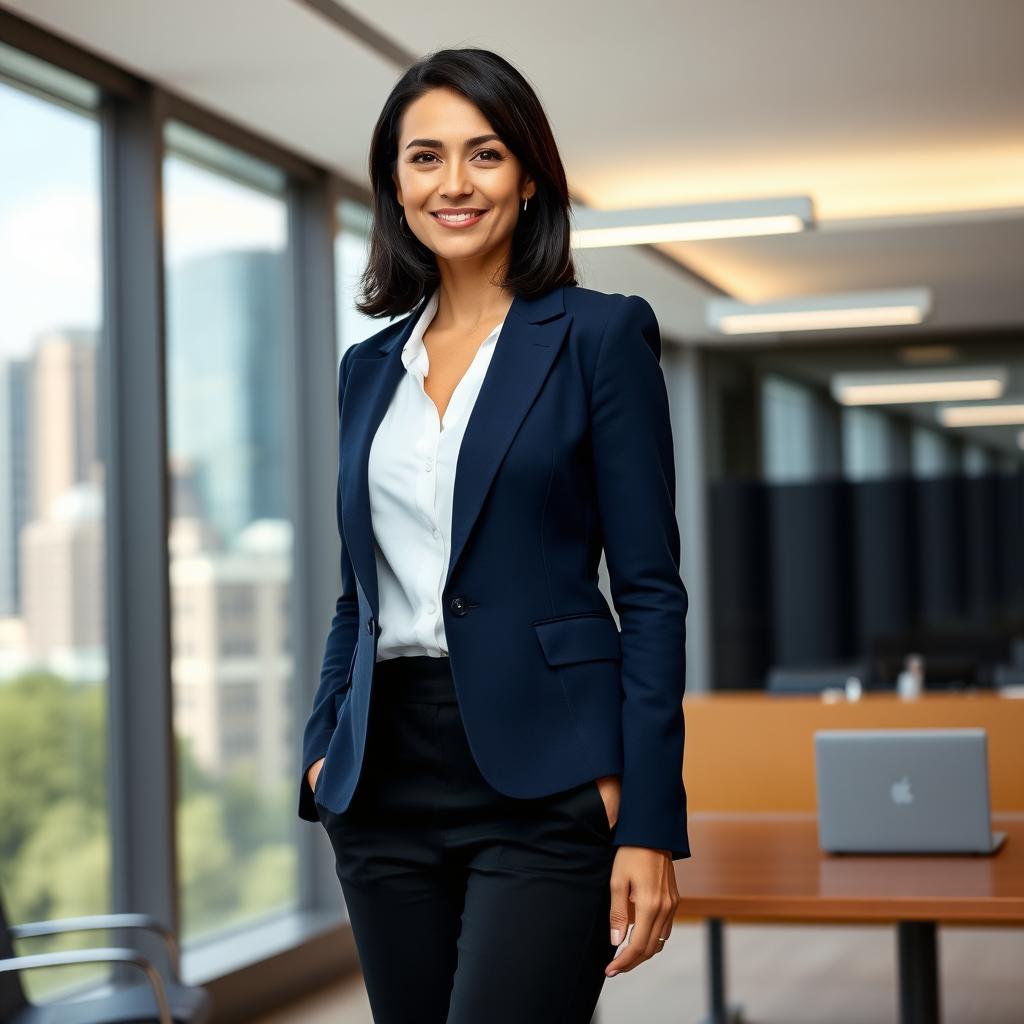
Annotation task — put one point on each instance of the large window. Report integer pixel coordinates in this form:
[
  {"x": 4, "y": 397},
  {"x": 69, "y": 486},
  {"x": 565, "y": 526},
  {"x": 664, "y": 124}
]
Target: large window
[
  {"x": 230, "y": 543},
  {"x": 351, "y": 248},
  {"x": 846, "y": 536},
  {"x": 54, "y": 827},
  {"x": 150, "y": 723}
]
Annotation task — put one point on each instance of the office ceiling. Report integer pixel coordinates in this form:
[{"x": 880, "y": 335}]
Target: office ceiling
[
  {"x": 903, "y": 121},
  {"x": 818, "y": 366}
]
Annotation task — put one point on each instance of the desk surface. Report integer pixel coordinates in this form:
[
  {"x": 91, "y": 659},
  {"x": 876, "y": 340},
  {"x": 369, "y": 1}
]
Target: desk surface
[{"x": 767, "y": 867}]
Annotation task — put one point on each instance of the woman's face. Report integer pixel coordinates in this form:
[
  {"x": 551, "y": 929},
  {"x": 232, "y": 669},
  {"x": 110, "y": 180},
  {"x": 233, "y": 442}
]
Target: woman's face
[{"x": 449, "y": 159}]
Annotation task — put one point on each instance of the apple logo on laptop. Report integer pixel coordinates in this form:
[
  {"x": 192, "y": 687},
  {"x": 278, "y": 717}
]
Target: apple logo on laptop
[{"x": 900, "y": 791}]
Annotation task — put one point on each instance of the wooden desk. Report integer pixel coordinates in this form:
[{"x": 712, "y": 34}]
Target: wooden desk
[
  {"x": 767, "y": 867},
  {"x": 751, "y": 751}
]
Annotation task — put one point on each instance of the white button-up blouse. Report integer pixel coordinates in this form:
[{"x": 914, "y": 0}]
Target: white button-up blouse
[{"x": 411, "y": 478}]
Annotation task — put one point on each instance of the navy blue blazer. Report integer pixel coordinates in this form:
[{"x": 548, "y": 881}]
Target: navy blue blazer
[{"x": 568, "y": 450}]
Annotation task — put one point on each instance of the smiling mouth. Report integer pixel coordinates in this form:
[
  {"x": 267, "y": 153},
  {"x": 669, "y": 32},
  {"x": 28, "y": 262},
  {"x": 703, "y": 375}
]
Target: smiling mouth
[{"x": 457, "y": 218}]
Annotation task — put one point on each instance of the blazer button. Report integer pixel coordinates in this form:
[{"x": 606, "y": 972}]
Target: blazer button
[
  {"x": 369, "y": 626},
  {"x": 458, "y": 606}
]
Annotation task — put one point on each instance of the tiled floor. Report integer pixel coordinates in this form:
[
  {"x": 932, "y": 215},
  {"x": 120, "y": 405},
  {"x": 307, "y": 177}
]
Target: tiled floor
[{"x": 780, "y": 975}]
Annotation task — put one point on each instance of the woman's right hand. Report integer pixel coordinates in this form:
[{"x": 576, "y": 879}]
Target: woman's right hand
[{"x": 314, "y": 772}]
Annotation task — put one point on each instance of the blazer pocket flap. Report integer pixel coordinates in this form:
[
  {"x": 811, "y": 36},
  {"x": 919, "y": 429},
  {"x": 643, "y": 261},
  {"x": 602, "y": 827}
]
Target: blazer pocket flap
[{"x": 579, "y": 638}]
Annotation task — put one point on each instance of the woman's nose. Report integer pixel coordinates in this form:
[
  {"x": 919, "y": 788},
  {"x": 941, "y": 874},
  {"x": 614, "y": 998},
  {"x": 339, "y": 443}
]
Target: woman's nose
[{"x": 455, "y": 182}]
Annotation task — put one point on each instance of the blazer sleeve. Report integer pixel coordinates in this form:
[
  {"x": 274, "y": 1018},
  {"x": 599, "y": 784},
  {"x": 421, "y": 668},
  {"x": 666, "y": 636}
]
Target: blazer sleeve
[
  {"x": 634, "y": 471},
  {"x": 338, "y": 650}
]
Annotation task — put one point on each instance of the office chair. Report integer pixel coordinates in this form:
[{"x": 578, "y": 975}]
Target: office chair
[
  {"x": 1017, "y": 652},
  {"x": 156, "y": 1000},
  {"x": 814, "y": 680},
  {"x": 1008, "y": 675}
]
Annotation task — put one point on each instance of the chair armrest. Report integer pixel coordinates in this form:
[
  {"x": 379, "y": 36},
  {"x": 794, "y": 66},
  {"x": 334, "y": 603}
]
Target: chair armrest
[
  {"x": 94, "y": 922},
  {"x": 101, "y": 955}
]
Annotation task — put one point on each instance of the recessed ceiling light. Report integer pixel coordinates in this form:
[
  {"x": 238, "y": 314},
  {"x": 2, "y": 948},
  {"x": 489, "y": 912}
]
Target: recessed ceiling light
[
  {"x": 696, "y": 221},
  {"x": 920, "y": 354},
  {"x": 982, "y": 415},
  {"x": 884, "y": 387},
  {"x": 896, "y": 307}
]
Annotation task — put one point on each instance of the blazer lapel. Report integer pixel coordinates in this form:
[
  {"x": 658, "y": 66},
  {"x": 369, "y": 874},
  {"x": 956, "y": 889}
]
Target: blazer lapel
[{"x": 530, "y": 339}]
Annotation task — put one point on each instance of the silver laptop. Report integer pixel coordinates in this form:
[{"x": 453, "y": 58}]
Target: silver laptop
[{"x": 903, "y": 791}]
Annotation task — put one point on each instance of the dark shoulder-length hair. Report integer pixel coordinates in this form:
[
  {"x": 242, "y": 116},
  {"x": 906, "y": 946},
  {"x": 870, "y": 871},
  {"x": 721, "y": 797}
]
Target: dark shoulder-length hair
[{"x": 400, "y": 269}]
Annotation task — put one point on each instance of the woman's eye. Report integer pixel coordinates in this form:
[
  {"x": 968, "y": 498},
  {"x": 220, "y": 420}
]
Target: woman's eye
[{"x": 493, "y": 153}]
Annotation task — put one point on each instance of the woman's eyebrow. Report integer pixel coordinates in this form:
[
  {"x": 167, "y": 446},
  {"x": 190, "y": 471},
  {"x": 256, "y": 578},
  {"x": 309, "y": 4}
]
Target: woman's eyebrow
[{"x": 438, "y": 144}]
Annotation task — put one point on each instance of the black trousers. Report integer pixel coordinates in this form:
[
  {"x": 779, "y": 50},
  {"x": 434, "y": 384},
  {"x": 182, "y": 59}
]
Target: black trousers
[{"x": 467, "y": 905}]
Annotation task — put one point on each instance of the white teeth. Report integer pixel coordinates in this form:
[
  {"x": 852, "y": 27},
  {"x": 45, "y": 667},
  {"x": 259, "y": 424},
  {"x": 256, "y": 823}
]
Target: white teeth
[{"x": 456, "y": 217}]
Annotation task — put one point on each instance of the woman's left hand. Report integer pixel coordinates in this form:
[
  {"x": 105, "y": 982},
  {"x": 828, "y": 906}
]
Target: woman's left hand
[{"x": 644, "y": 893}]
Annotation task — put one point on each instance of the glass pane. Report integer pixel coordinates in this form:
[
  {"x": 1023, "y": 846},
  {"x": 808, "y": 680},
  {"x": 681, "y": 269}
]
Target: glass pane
[
  {"x": 54, "y": 828},
  {"x": 231, "y": 533},
  {"x": 851, "y": 532},
  {"x": 350, "y": 253},
  {"x": 788, "y": 431}
]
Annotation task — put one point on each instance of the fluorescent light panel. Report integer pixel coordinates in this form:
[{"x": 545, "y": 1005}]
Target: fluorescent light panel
[
  {"x": 982, "y": 415},
  {"x": 646, "y": 225},
  {"x": 918, "y": 355},
  {"x": 821, "y": 312},
  {"x": 886, "y": 387}
]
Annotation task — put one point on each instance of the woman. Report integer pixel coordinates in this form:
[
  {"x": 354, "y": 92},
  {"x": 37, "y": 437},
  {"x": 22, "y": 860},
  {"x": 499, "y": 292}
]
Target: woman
[{"x": 511, "y": 798}]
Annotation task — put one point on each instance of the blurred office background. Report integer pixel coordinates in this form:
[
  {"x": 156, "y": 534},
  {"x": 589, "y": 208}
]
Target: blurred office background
[{"x": 183, "y": 216}]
